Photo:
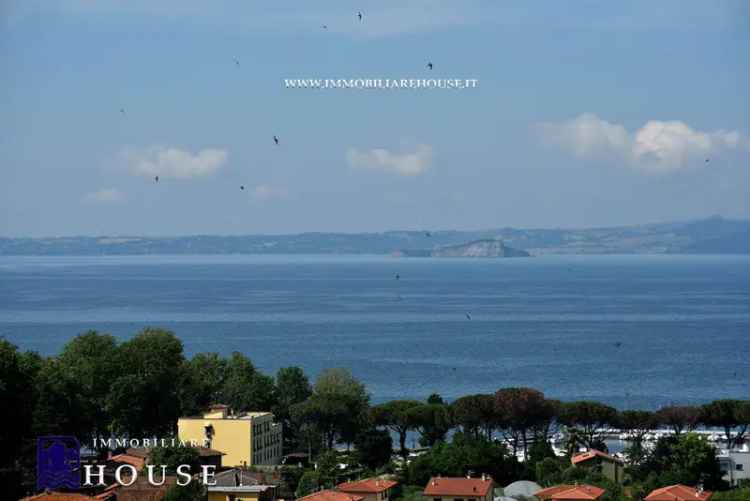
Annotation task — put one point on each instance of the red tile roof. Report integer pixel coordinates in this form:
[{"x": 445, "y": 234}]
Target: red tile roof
[
  {"x": 329, "y": 495},
  {"x": 679, "y": 493},
  {"x": 458, "y": 486},
  {"x": 58, "y": 496},
  {"x": 369, "y": 485},
  {"x": 573, "y": 492},
  {"x": 137, "y": 462},
  {"x": 593, "y": 453}
]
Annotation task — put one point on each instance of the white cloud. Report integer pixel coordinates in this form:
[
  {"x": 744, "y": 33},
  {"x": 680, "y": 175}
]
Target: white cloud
[
  {"x": 656, "y": 146},
  {"x": 171, "y": 162},
  {"x": 265, "y": 192},
  {"x": 103, "y": 196},
  {"x": 405, "y": 164}
]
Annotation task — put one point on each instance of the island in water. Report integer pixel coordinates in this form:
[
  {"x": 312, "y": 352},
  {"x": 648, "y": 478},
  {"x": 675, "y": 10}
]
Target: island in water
[{"x": 489, "y": 248}]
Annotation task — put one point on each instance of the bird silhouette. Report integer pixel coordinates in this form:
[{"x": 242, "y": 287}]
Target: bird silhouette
[
  {"x": 156, "y": 179},
  {"x": 325, "y": 26},
  {"x": 468, "y": 315},
  {"x": 618, "y": 344},
  {"x": 236, "y": 61},
  {"x": 276, "y": 140},
  {"x": 398, "y": 277},
  {"x": 707, "y": 160},
  {"x": 359, "y": 15},
  {"x": 429, "y": 66},
  {"x": 427, "y": 234},
  {"x": 242, "y": 187}
]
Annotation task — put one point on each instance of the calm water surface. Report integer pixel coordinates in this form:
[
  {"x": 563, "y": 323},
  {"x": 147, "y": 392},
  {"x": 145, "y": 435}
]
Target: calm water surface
[{"x": 634, "y": 331}]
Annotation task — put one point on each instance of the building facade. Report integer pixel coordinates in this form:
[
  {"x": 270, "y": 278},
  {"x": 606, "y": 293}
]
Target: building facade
[{"x": 247, "y": 439}]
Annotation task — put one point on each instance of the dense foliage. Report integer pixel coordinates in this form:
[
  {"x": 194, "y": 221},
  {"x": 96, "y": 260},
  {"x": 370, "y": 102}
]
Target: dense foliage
[{"x": 139, "y": 387}]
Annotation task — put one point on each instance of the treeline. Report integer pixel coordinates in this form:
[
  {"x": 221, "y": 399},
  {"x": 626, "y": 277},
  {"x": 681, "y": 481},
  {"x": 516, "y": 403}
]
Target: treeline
[{"x": 97, "y": 387}]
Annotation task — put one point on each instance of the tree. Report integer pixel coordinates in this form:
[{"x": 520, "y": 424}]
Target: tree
[
  {"x": 679, "y": 418},
  {"x": 396, "y": 416},
  {"x": 173, "y": 456},
  {"x": 727, "y": 414},
  {"x": 309, "y": 483},
  {"x": 462, "y": 455},
  {"x": 523, "y": 410},
  {"x": 90, "y": 360},
  {"x": 60, "y": 407},
  {"x": 686, "y": 459},
  {"x": 338, "y": 407},
  {"x": 433, "y": 421},
  {"x": 244, "y": 388},
  {"x": 475, "y": 414},
  {"x": 374, "y": 448},
  {"x": 144, "y": 400},
  {"x": 637, "y": 424},
  {"x": 292, "y": 387},
  {"x": 18, "y": 396},
  {"x": 588, "y": 418},
  {"x": 193, "y": 491},
  {"x": 203, "y": 381}
]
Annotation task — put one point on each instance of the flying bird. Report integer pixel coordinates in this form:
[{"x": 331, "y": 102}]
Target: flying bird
[
  {"x": 276, "y": 140},
  {"x": 618, "y": 344},
  {"x": 468, "y": 315},
  {"x": 707, "y": 160},
  {"x": 325, "y": 26},
  {"x": 398, "y": 277},
  {"x": 236, "y": 61},
  {"x": 359, "y": 15},
  {"x": 156, "y": 179},
  {"x": 429, "y": 66},
  {"x": 122, "y": 110},
  {"x": 242, "y": 187},
  {"x": 427, "y": 234}
]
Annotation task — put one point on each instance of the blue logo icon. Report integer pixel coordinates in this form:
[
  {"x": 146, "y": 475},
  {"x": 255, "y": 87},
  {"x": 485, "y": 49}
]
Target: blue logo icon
[{"x": 58, "y": 462}]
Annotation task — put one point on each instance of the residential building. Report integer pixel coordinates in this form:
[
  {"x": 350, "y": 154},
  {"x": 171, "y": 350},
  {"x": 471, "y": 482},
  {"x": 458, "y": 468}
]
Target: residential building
[
  {"x": 679, "y": 492},
  {"x": 247, "y": 439},
  {"x": 611, "y": 467},
  {"x": 371, "y": 489},
  {"x": 237, "y": 485},
  {"x": 565, "y": 492},
  {"x": 331, "y": 495},
  {"x": 459, "y": 489},
  {"x": 735, "y": 465},
  {"x": 134, "y": 455}
]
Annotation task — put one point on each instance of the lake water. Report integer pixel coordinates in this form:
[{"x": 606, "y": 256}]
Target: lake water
[{"x": 633, "y": 331}]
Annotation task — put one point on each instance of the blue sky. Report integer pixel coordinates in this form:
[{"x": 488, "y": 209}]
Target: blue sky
[{"x": 586, "y": 114}]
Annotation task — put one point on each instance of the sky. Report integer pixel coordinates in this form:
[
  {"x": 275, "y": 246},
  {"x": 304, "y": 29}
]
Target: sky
[{"x": 584, "y": 114}]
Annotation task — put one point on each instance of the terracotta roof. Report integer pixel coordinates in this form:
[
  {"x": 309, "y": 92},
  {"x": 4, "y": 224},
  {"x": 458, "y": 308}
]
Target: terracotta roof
[
  {"x": 593, "y": 453},
  {"x": 143, "y": 452},
  {"x": 137, "y": 462},
  {"x": 679, "y": 492},
  {"x": 329, "y": 495},
  {"x": 564, "y": 492},
  {"x": 367, "y": 485},
  {"x": 458, "y": 486},
  {"x": 58, "y": 496}
]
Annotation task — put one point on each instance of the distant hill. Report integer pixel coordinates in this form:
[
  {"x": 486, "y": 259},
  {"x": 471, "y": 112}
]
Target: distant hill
[
  {"x": 479, "y": 248},
  {"x": 714, "y": 235}
]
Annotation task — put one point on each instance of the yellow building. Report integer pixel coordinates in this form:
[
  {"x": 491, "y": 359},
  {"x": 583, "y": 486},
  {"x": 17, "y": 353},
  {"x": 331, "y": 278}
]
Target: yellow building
[{"x": 247, "y": 439}]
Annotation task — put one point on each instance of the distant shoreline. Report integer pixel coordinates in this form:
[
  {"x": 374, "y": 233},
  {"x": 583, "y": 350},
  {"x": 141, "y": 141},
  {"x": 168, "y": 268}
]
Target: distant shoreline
[{"x": 705, "y": 236}]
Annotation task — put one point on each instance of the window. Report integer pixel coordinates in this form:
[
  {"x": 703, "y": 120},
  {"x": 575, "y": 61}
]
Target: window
[{"x": 740, "y": 467}]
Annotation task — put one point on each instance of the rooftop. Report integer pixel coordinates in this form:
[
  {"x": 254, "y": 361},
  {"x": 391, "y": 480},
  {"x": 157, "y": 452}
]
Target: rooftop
[
  {"x": 329, "y": 495},
  {"x": 367, "y": 485},
  {"x": 575, "y": 492},
  {"x": 458, "y": 486},
  {"x": 591, "y": 454},
  {"x": 679, "y": 492}
]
